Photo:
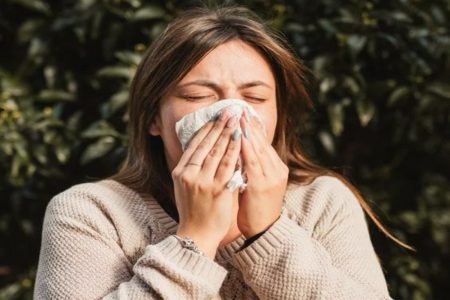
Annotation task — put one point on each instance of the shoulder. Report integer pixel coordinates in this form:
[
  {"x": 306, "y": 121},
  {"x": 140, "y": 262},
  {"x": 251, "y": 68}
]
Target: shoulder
[
  {"x": 99, "y": 205},
  {"x": 101, "y": 193},
  {"x": 321, "y": 200}
]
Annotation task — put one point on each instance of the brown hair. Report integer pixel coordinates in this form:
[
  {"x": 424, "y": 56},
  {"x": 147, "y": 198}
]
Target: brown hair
[{"x": 184, "y": 43}]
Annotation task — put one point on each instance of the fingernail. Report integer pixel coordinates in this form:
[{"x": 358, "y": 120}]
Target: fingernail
[
  {"x": 236, "y": 134},
  {"x": 246, "y": 134},
  {"x": 231, "y": 122}
]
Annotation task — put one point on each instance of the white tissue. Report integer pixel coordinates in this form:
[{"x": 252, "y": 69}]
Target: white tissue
[{"x": 187, "y": 126}]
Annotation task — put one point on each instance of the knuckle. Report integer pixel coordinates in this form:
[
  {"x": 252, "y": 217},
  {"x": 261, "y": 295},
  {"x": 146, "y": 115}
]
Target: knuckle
[
  {"x": 203, "y": 186},
  {"x": 175, "y": 173},
  {"x": 202, "y": 145},
  {"x": 226, "y": 162},
  {"x": 252, "y": 162},
  {"x": 261, "y": 150},
  {"x": 214, "y": 152},
  {"x": 223, "y": 135},
  {"x": 186, "y": 178},
  {"x": 232, "y": 146}
]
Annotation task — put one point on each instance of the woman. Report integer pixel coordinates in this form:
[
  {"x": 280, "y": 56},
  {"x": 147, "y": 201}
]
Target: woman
[{"x": 166, "y": 227}]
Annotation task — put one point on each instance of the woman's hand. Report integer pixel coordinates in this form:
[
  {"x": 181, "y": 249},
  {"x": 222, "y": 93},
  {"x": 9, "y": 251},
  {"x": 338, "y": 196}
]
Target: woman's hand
[
  {"x": 260, "y": 204},
  {"x": 205, "y": 205}
]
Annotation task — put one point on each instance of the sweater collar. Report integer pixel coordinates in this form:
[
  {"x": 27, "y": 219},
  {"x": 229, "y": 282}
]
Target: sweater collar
[{"x": 169, "y": 226}]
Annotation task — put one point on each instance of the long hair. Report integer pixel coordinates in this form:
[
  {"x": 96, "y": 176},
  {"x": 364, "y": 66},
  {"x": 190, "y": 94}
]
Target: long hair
[{"x": 184, "y": 42}]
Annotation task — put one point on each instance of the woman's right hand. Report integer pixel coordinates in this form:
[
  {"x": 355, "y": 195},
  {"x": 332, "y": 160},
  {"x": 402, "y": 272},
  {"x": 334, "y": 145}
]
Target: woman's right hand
[{"x": 204, "y": 203}]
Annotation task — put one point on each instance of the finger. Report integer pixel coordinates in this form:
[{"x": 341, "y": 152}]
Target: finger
[
  {"x": 269, "y": 158},
  {"x": 211, "y": 129},
  {"x": 230, "y": 134},
  {"x": 250, "y": 162},
  {"x": 228, "y": 162},
  {"x": 263, "y": 149},
  {"x": 207, "y": 144}
]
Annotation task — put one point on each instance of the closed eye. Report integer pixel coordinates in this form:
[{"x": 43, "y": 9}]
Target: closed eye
[
  {"x": 256, "y": 98},
  {"x": 193, "y": 98}
]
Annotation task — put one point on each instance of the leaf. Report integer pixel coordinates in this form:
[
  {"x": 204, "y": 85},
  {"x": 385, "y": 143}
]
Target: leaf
[
  {"x": 31, "y": 169},
  {"x": 85, "y": 4},
  {"x": 55, "y": 95},
  {"x": 148, "y": 12},
  {"x": 397, "y": 95},
  {"x": 36, "y": 5},
  {"x": 327, "y": 84},
  {"x": 15, "y": 166},
  {"x": 327, "y": 142},
  {"x": 327, "y": 25},
  {"x": 62, "y": 152},
  {"x": 365, "y": 110},
  {"x": 356, "y": 43},
  {"x": 321, "y": 63},
  {"x": 9, "y": 105},
  {"x": 29, "y": 29},
  {"x": 395, "y": 42},
  {"x": 97, "y": 149},
  {"x": 352, "y": 85},
  {"x": 128, "y": 57},
  {"x": 124, "y": 72},
  {"x": 336, "y": 116},
  {"x": 440, "y": 89},
  {"x": 99, "y": 129},
  {"x": 401, "y": 17},
  {"x": 40, "y": 154},
  {"x": 116, "y": 102},
  {"x": 73, "y": 122},
  {"x": 36, "y": 50}
]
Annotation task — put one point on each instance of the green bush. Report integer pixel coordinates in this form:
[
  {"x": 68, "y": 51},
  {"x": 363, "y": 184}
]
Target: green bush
[{"x": 381, "y": 117}]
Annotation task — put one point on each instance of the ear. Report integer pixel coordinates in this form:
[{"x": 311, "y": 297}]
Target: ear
[{"x": 155, "y": 127}]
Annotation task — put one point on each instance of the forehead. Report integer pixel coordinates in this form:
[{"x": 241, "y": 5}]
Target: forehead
[{"x": 234, "y": 60}]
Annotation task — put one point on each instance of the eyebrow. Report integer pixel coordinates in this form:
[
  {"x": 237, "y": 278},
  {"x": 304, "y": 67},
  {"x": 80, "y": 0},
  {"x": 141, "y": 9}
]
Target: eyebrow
[{"x": 215, "y": 86}]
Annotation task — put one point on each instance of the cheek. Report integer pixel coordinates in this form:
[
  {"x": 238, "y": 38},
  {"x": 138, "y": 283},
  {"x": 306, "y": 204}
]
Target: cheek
[{"x": 172, "y": 146}]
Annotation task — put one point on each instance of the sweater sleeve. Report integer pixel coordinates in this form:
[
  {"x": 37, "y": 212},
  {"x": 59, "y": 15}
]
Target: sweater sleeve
[
  {"x": 81, "y": 258},
  {"x": 336, "y": 261}
]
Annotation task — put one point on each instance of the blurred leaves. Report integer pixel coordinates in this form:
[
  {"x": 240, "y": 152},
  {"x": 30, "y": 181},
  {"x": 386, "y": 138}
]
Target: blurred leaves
[
  {"x": 381, "y": 95},
  {"x": 382, "y": 107}
]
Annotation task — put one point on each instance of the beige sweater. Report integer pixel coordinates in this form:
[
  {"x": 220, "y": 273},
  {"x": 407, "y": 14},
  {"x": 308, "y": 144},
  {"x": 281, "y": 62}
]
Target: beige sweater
[{"x": 103, "y": 241}]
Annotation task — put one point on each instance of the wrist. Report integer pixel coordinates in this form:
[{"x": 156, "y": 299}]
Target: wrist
[
  {"x": 207, "y": 246},
  {"x": 250, "y": 240},
  {"x": 251, "y": 232}
]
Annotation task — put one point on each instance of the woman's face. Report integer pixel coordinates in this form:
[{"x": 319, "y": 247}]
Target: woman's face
[{"x": 232, "y": 70}]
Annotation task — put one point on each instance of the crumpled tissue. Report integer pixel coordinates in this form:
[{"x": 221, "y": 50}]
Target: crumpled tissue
[{"x": 187, "y": 126}]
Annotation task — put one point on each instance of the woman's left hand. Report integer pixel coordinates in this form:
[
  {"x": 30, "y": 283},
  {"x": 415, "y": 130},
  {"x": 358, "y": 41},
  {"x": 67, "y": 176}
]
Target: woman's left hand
[{"x": 267, "y": 176}]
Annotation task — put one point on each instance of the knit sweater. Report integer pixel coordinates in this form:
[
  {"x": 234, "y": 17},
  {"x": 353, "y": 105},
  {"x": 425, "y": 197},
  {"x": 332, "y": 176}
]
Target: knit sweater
[{"x": 102, "y": 240}]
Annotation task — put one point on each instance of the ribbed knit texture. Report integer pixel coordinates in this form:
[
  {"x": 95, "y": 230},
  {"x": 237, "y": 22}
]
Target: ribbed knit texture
[{"x": 102, "y": 240}]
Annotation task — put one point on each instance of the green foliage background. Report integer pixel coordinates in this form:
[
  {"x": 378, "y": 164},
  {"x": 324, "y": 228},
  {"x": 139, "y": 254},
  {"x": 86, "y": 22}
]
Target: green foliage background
[{"x": 381, "y": 92}]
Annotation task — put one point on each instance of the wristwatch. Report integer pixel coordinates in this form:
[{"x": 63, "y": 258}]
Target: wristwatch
[{"x": 188, "y": 243}]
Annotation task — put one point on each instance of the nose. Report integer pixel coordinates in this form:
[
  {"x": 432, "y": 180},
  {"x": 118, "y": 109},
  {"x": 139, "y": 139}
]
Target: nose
[{"x": 231, "y": 92}]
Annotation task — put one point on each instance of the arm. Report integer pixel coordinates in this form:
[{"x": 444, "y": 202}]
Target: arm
[
  {"x": 81, "y": 258},
  {"x": 337, "y": 262}
]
